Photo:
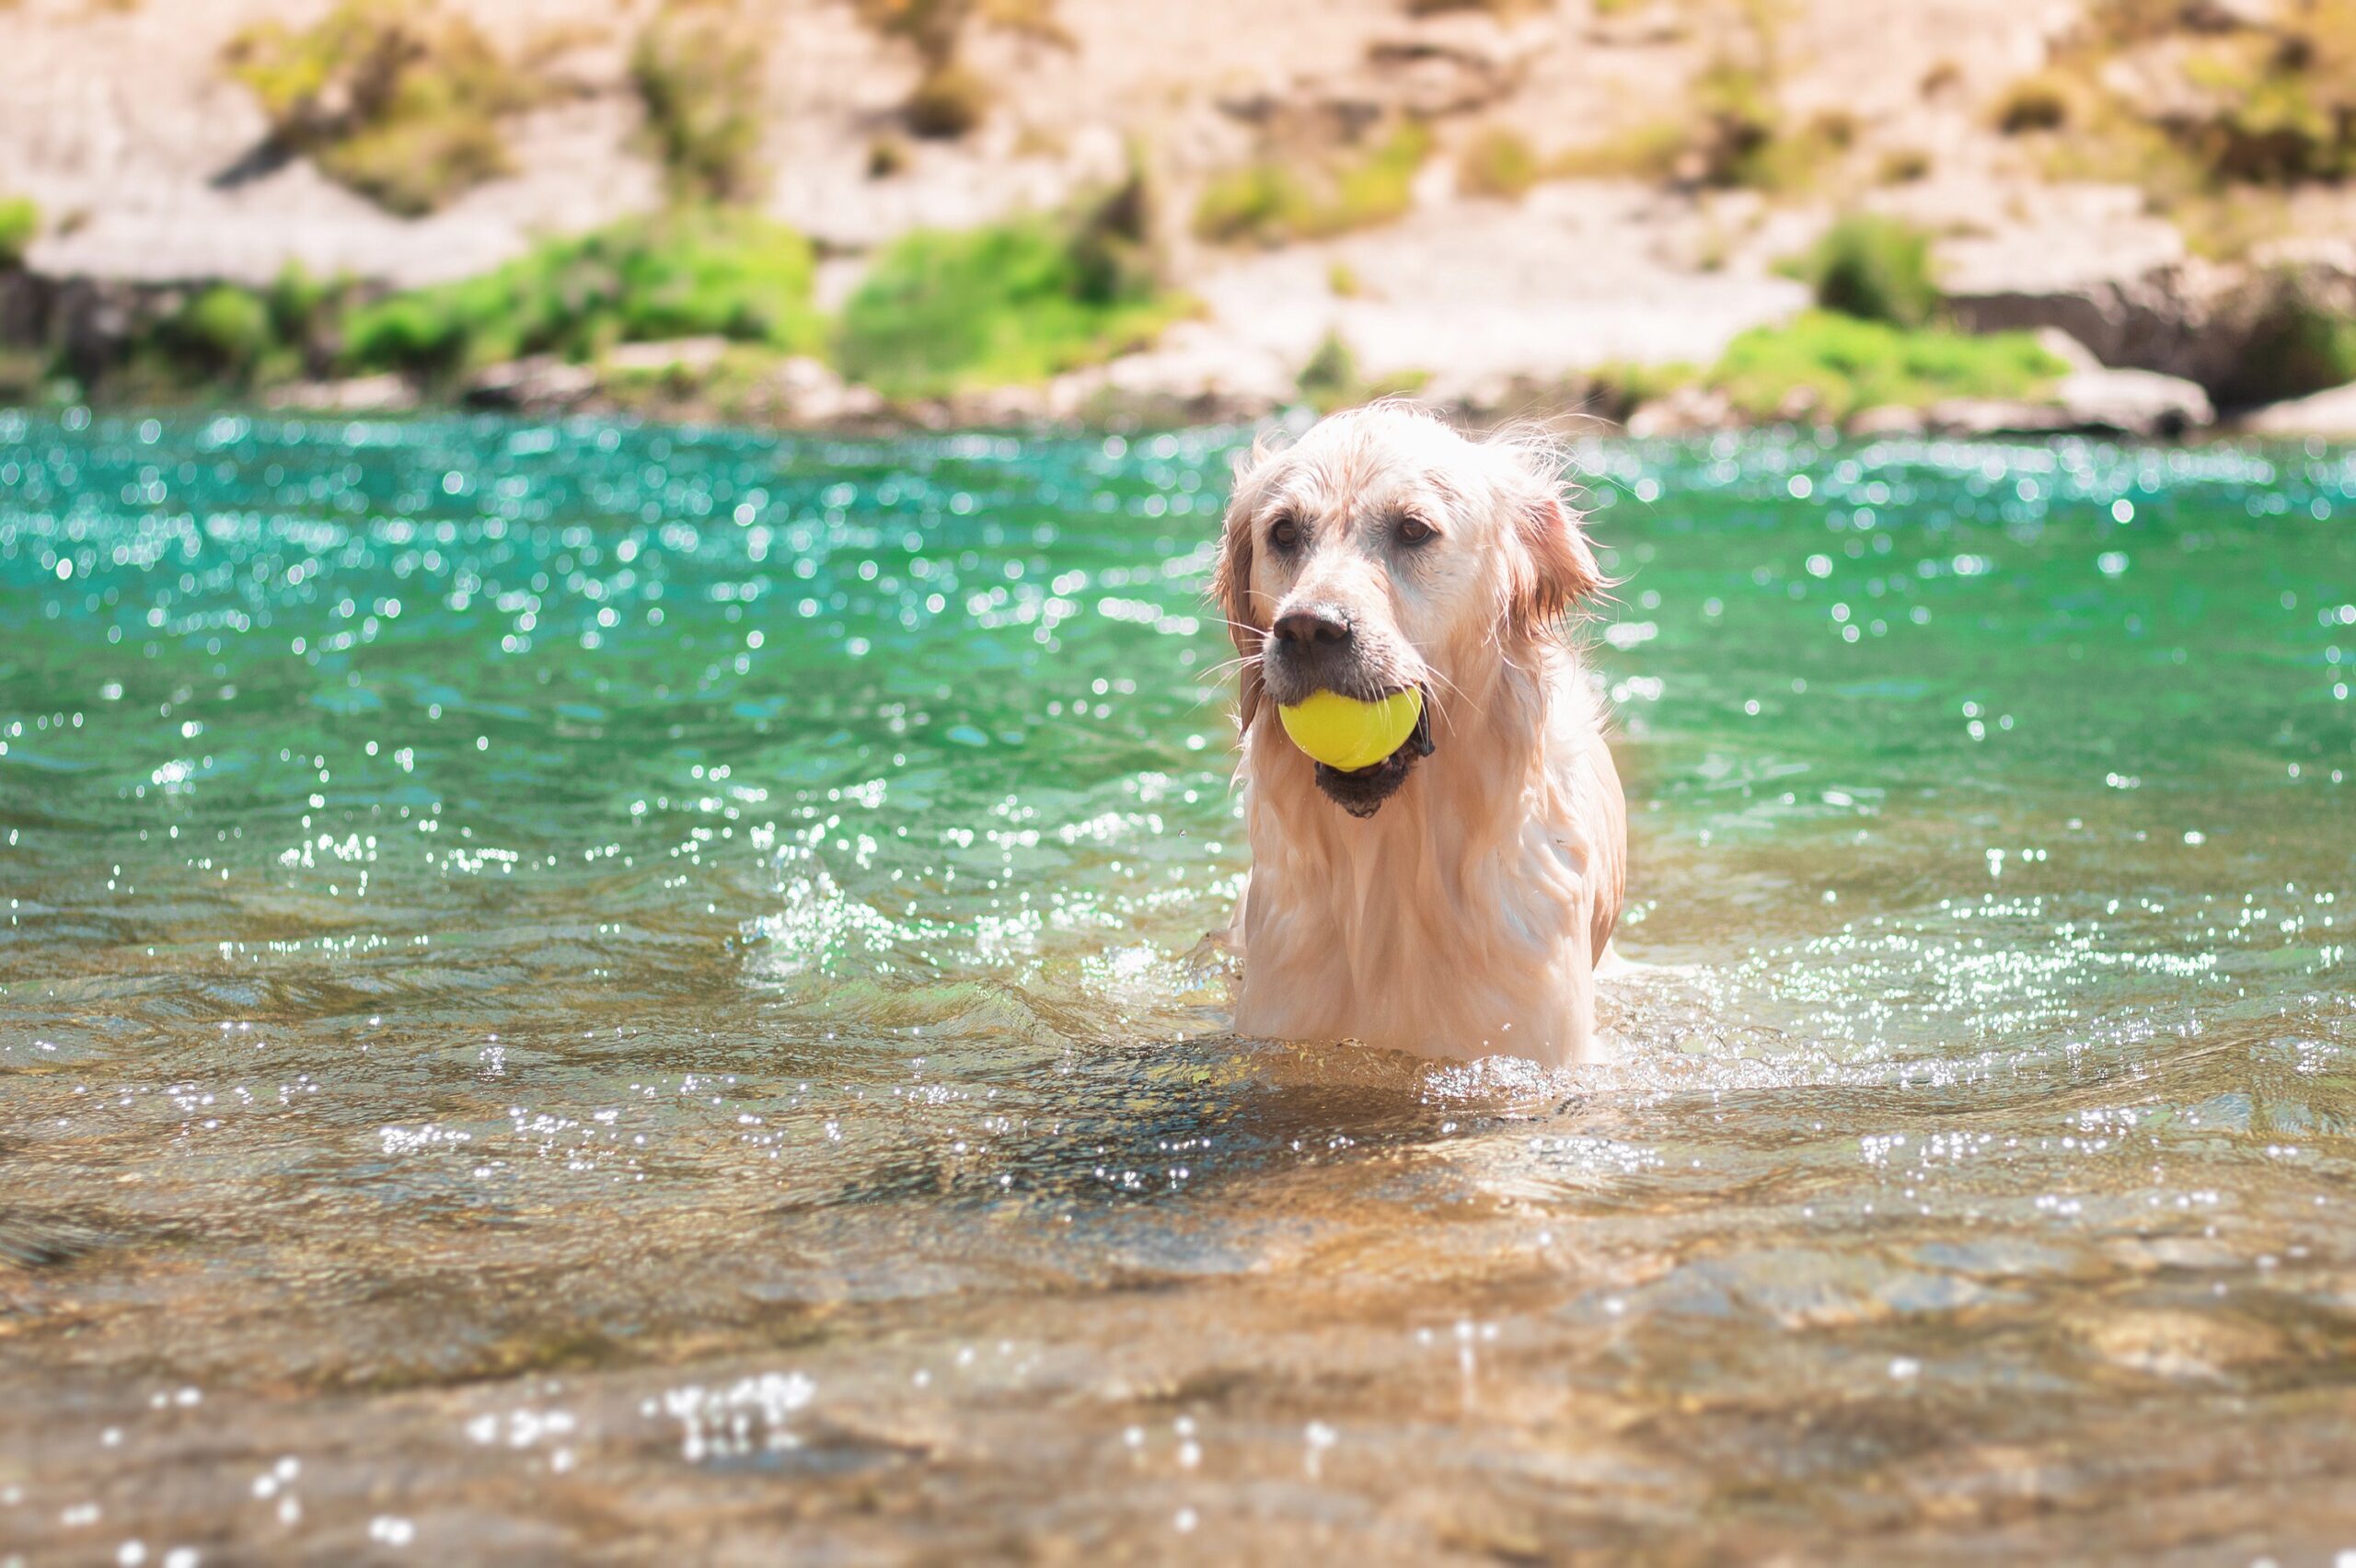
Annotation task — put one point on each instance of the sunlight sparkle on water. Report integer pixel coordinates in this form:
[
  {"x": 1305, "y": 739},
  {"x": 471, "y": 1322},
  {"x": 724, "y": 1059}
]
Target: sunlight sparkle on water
[{"x": 565, "y": 977}]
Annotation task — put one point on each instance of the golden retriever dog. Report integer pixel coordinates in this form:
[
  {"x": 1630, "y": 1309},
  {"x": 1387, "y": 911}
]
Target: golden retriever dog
[{"x": 1454, "y": 899}]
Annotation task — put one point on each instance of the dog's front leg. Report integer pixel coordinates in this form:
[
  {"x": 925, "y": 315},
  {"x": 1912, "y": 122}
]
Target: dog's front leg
[{"x": 1577, "y": 1041}]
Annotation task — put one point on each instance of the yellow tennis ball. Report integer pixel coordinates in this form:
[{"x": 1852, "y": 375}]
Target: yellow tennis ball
[{"x": 1345, "y": 733}]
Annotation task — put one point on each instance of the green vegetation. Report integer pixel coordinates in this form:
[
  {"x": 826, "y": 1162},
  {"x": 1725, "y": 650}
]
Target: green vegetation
[
  {"x": 1266, "y": 203},
  {"x": 2276, "y": 107},
  {"x": 1618, "y": 387},
  {"x": 1029, "y": 19},
  {"x": 1904, "y": 166},
  {"x": 932, "y": 26},
  {"x": 1331, "y": 379},
  {"x": 219, "y": 335},
  {"x": 1736, "y": 127},
  {"x": 2040, "y": 102},
  {"x": 949, "y": 101},
  {"x": 950, "y": 98},
  {"x": 1732, "y": 131},
  {"x": 698, "y": 66},
  {"x": 302, "y": 308},
  {"x": 739, "y": 385},
  {"x": 1734, "y": 135},
  {"x": 231, "y": 338},
  {"x": 19, "y": 221},
  {"x": 1331, "y": 375},
  {"x": 1652, "y": 151},
  {"x": 2223, "y": 102},
  {"x": 1006, "y": 304},
  {"x": 1838, "y": 366},
  {"x": 1260, "y": 201},
  {"x": 1873, "y": 269},
  {"x": 2224, "y": 225},
  {"x": 686, "y": 273},
  {"x": 2300, "y": 347},
  {"x": 1493, "y": 8},
  {"x": 22, "y": 370},
  {"x": 400, "y": 101},
  {"x": 1497, "y": 162}
]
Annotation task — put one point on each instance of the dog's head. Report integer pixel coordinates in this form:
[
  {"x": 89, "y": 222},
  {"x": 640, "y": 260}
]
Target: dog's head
[{"x": 1385, "y": 551}]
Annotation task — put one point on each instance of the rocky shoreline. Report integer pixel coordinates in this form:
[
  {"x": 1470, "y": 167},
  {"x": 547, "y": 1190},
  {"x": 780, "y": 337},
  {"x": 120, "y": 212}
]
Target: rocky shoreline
[
  {"x": 1197, "y": 376},
  {"x": 2150, "y": 341},
  {"x": 1530, "y": 259}
]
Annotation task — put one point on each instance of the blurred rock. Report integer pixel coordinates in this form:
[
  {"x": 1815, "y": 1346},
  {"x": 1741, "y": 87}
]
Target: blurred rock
[
  {"x": 383, "y": 394},
  {"x": 2066, "y": 348},
  {"x": 1888, "y": 420},
  {"x": 24, "y": 307},
  {"x": 1196, "y": 373},
  {"x": 1996, "y": 416},
  {"x": 537, "y": 384},
  {"x": 1638, "y": 27},
  {"x": 2121, "y": 284},
  {"x": 1452, "y": 64},
  {"x": 1686, "y": 411},
  {"x": 802, "y": 392},
  {"x": 2134, "y": 402},
  {"x": 2328, "y": 414},
  {"x": 992, "y": 408},
  {"x": 2138, "y": 403},
  {"x": 686, "y": 356},
  {"x": 2161, "y": 318}
]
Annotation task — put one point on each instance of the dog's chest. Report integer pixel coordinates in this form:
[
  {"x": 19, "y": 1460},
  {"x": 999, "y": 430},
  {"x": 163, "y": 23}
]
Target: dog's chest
[{"x": 1402, "y": 946}]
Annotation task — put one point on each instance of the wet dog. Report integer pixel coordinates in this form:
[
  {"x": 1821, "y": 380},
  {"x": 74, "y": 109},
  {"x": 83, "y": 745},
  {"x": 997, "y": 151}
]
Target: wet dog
[{"x": 1454, "y": 898}]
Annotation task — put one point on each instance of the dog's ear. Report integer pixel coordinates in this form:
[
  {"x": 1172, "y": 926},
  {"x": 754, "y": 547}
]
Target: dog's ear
[
  {"x": 1557, "y": 567},
  {"x": 1232, "y": 592}
]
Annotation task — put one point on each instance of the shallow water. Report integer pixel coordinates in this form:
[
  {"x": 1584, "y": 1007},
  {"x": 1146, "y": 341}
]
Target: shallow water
[{"x": 609, "y": 993}]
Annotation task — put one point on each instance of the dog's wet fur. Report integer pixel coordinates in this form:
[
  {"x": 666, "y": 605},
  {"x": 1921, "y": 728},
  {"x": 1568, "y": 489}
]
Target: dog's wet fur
[{"x": 1452, "y": 899}]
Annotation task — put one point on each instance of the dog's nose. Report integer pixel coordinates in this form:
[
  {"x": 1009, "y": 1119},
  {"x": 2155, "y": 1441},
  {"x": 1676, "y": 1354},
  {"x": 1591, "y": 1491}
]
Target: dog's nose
[{"x": 1313, "y": 624}]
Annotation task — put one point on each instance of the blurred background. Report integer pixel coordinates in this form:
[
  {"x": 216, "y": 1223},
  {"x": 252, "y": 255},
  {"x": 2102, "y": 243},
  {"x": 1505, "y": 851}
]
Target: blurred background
[{"x": 1975, "y": 215}]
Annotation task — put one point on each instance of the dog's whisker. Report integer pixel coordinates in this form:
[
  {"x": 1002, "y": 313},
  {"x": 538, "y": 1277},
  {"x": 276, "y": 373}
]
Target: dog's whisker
[
  {"x": 1457, "y": 697},
  {"x": 1241, "y": 662}
]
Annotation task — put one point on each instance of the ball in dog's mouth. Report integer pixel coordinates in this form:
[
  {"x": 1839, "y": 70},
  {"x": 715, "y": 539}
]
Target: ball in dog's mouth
[{"x": 1361, "y": 790}]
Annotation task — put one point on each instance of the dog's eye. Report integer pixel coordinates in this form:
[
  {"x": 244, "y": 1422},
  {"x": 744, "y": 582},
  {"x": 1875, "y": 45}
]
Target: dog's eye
[
  {"x": 1284, "y": 535},
  {"x": 1416, "y": 531}
]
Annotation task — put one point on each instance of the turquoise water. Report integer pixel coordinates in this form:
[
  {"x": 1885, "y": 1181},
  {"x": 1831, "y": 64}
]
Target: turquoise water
[{"x": 574, "y": 991}]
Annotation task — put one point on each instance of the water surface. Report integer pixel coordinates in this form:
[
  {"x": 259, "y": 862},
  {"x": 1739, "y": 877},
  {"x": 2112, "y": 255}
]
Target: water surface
[{"x": 586, "y": 992}]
